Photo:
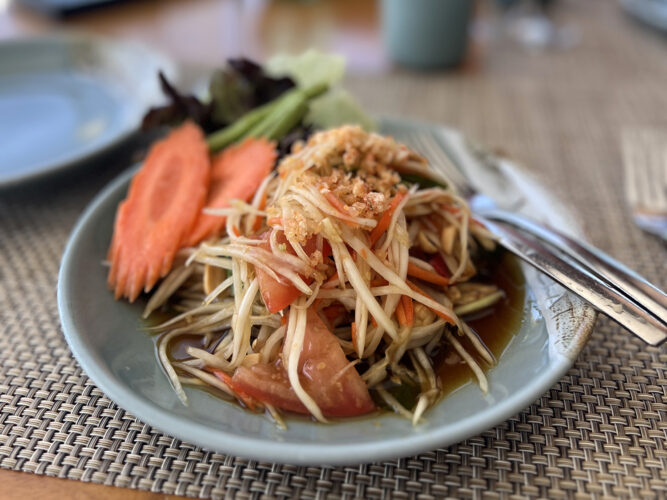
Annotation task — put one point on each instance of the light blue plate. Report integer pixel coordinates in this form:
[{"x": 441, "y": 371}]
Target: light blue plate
[
  {"x": 106, "y": 338},
  {"x": 64, "y": 99},
  {"x": 650, "y": 12}
]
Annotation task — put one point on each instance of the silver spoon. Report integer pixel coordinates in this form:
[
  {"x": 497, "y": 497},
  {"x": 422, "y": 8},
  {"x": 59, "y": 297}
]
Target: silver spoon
[{"x": 606, "y": 284}]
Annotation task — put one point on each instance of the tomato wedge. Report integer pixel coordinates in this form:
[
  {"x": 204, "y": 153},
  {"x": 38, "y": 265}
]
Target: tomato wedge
[
  {"x": 324, "y": 372},
  {"x": 439, "y": 265},
  {"x": 278, "y": 295}
]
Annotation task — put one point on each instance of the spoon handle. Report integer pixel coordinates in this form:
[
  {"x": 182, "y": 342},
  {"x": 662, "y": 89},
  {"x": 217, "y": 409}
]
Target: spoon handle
[
  {"x": 582, "y": 282},
  {"x": 626, "y": 281}
]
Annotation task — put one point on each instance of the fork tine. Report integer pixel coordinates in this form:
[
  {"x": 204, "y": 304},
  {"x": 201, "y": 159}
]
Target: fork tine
[
  {"x": 632, "y": 156},
  {"x": 659, "y": 171},
  {"x": 430, "y": 146},
  {"x": 654, "y": 175},
  {"x": 645, "y": 169},
  {"x": 643, "y": 172}
]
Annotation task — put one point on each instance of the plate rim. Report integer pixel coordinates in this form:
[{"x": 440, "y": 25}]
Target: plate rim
[
  {"x": 72, "y": 39},
  {"x": 264, "y": 449},
  {"x": 650, "y": 14}
]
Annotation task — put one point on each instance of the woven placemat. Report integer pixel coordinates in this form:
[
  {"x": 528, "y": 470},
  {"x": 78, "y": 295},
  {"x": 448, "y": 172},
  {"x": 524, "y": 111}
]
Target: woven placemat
[{"x": 600, "y": 431}]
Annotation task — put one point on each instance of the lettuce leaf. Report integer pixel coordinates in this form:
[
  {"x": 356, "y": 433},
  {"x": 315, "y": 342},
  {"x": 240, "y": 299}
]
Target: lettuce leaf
[
  {"x": 335, "y": 108},
  {"x": 309, "y": 68}
]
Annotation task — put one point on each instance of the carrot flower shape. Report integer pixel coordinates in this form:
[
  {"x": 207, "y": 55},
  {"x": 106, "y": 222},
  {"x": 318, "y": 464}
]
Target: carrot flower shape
[
  {"x": 162, "y": 205},
  {"x": 236, "y": 173}
]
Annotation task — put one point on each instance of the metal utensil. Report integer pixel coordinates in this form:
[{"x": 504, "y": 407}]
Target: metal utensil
[
  {"x": 645, "y": 169},
  {"x": 603, "y": 266},
  {"x": 589, "y": 287},
  {"x": 606, "y": 284}
]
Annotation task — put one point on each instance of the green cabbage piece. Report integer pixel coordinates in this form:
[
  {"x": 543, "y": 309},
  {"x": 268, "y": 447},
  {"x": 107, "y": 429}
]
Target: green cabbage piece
[
  {"x": 309, "y": 68},
  {"x": 335, "y": 108},
  {"x": 332, "y": 109}
]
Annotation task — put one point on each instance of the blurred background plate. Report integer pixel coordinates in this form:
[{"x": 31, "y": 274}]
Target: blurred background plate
[
  {"x": 651, "y": 12},
  {"x": 65, "y": 99}
]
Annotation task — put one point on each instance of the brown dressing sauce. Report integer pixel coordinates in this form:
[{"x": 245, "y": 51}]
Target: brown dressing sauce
[
  {"x": 178, "y": 348},
  {"x": 495, "y": 327}
]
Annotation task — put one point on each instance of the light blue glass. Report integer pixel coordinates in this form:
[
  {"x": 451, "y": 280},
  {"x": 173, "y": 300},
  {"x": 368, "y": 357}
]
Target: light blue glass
[{"x": 426, "y": 34}]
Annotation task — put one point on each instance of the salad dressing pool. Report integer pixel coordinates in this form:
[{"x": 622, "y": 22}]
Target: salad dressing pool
[{"x": 495, "y": 326}]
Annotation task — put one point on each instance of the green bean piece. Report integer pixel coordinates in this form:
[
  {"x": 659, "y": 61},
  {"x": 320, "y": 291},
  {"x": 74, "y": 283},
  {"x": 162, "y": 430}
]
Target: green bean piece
[
  {"x": 285, "y": 103},
  {"x": 235, "y": 131},
  {"x": 315, "y": 90},
  {"x": 273, "y": 119},
  {"x": 288, "y": 120}
]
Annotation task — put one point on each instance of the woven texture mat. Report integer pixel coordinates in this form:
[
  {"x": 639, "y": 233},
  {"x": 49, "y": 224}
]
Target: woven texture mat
[{"x": 601, "y": 431}]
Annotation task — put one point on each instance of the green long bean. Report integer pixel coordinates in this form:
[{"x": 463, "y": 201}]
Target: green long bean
[{"x": 272, "y": 120}]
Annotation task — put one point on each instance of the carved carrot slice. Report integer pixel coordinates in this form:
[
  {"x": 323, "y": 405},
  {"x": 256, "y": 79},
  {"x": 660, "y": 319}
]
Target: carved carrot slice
[
  {"x": 162, "y": 205},
  {"x": 236, "y": 173}
]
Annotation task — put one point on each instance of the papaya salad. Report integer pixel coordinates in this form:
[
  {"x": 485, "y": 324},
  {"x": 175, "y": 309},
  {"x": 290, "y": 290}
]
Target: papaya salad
[{"x": 312, "y": 282}]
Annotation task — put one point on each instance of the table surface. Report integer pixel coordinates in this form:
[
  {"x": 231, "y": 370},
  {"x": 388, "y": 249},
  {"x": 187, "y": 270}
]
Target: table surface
[{"x": 558, "y": 112}]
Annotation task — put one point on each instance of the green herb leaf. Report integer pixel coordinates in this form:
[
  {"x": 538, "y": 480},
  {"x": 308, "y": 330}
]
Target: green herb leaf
[{"x": 423, "y": 182}]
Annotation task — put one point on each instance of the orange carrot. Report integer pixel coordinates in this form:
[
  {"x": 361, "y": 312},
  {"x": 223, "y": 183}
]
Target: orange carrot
[
  {"x": 337, "y": 204},
  {"x": 340, "y": 206},
  {"x": 400, "y": 314},
  {"x": 409, "y": 309},
  {"x": 477, "y": 223},
  {"x": 258, "y": 220},
  {"x": 423, "y": 274},
  {"x": 383, "y": 223},
  {"x": 454, "y": 210},
  {"x": 274, "y": 221},
  {"x": 434, "y": 311},
  {"x": 236, "y": 230},
  {"x": 236, "y": 173},
  {"x": 163, "y": 202},
  {"x": 247, "y": 400},
  {"x": 333, "y": 278}
]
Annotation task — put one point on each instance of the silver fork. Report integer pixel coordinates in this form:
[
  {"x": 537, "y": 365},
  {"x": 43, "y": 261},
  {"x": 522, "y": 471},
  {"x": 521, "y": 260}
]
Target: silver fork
[
  {"x": 606, "y": 284},
  {"x": 645, "y": 168}
]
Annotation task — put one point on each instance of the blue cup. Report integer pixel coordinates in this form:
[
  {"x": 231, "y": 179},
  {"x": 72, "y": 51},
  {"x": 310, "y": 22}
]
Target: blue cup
[{"x": 426, "y": 34}]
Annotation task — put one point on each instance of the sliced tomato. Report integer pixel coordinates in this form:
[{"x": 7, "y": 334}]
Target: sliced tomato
[
  {"x": 439, "y": 265},
  {"x": 324, "y": 373},
  {"x": 278, "y": 295}
]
